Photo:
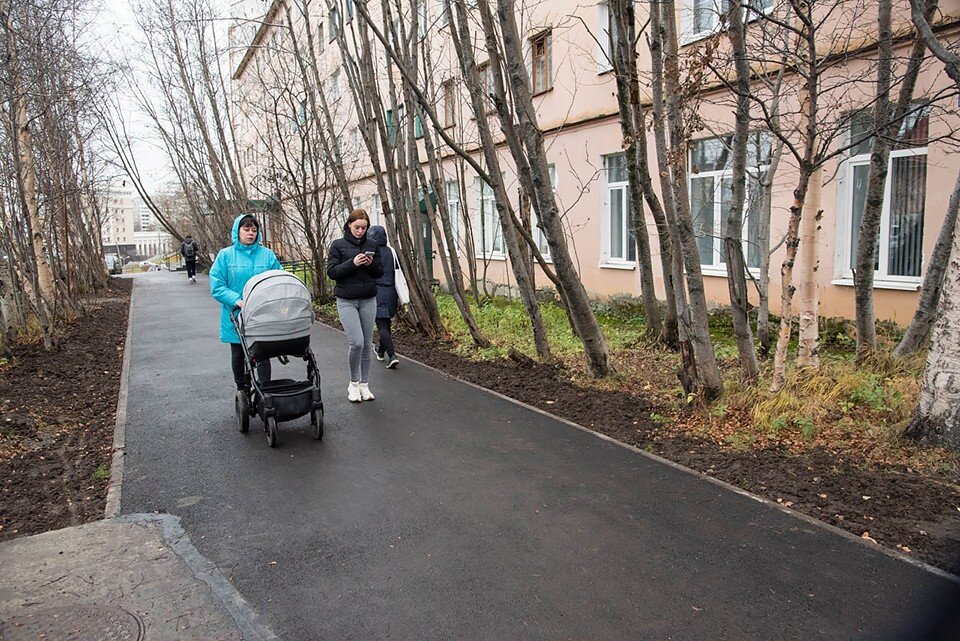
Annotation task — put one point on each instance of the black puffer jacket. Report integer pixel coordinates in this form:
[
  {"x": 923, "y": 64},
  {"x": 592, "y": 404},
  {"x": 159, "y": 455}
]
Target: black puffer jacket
[{"x": 353, "y": 281}]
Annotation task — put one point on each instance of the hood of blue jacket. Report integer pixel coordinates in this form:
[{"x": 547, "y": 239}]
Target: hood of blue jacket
[
  {"x": 378, "y": 235},
  {"x": 235, "y": 235}
]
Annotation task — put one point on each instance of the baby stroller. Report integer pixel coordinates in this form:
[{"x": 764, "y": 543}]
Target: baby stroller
[{"x": 275, "y": 322}]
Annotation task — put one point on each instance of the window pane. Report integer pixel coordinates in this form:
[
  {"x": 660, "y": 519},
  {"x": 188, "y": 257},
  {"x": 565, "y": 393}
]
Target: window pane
[
  {"x": 616, "y": 223},
  {"x": 711, "y": 154},
  {"x": 914, "y": 130},
  {"x": 701, "y": 204},
  {"x": 752, "y": 223},
  {"x": 907, "y": 194},
  {"x": 703, "y": 15},
  {"x": 628, "y": 223},
  {"x": 616, "y": 166},
  {"x": 861, "y": 125},
  {"x": 859, "y": 203},
  {"x": 726, "y": 199}
]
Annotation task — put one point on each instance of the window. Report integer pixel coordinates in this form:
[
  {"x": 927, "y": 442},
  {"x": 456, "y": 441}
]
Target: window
[
  {"x": 900, "y": 244},
  {"x": 350, "y": 10},
  {"x": 442, "y": 18},
  {"x": 541, "y": 62},
  {"x": 703, "y": 17},
  {"x": 320, "y": 40},
  {"x": 354, "y": 144},
  {"x": 452, "y": 189},
  {"x": 491, "y": 234},
  {"x": 449, "y": 104},
  {"x": 485, "y": 78},
  {"x": 621, "y": 247},
  {"x": 605, "y": 38},
  {"x": 335, "y": 86},
  {"x": 417, "y": 126},
  {"x": 538, "y": 234},
  {"x": 421, "y": 18},
  {"x": 376, "y": 210},
  {"x": 711, "y": 184},
  {"x": 334, "y": 23}
]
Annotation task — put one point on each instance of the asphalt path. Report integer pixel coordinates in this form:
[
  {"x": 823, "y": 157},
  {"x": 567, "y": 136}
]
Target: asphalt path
[{"x": 441, "y": 511}]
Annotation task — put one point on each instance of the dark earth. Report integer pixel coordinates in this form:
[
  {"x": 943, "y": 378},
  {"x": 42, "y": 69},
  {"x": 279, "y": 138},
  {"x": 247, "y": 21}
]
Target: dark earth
[
  {"x": 57, "y": 415},
  {"x": 58, "y": 408}
]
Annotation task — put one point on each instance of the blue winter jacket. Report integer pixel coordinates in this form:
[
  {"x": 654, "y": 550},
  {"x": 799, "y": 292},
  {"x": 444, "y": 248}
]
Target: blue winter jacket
[
  {"x": 231, "y": 270},
  {"x": 387, "y": 300}
]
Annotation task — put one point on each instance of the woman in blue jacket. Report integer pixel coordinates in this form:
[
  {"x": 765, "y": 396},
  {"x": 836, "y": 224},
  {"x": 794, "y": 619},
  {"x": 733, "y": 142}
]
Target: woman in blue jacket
[{"x": 231, "y": 270}]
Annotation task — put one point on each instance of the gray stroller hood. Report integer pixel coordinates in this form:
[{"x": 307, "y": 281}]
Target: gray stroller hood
[{"x": 276, "y": 307}]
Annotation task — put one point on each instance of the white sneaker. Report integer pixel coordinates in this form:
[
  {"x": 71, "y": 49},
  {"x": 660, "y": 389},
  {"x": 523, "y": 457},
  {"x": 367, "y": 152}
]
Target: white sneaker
[
  {"x": 365, "y": 393},
  {"x": 353, "y": 392},
  {"x": 193, "y": 279}
]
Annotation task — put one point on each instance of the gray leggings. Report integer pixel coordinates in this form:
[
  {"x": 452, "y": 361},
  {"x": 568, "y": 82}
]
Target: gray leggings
[{"x": 357, "y": 316}]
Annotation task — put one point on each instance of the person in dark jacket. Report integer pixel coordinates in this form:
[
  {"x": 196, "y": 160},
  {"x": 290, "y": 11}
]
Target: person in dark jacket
[
  {"x": 189, "y": 251},
  {"x": 354, "y": 264},
  {"x": 387, "y": 299}
]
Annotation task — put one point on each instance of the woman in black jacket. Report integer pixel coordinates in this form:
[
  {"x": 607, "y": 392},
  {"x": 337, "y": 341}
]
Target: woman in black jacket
[{"x": 354, "y": 264}]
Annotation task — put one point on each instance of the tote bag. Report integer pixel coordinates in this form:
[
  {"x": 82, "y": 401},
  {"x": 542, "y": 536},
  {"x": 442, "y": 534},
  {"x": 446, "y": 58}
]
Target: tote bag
[{"x": 400, "y": 281}]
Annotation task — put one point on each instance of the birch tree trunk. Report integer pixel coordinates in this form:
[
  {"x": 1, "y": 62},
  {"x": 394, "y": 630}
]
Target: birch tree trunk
[
  {"x": 675, "y": 274},
  {"x": 733, "y": 239},
  {"x": 927, "y": 306},
  {"x": 808, "y": 349},
  {"x": 708, "y": 374},
  {"x": 937, "y": 419}
]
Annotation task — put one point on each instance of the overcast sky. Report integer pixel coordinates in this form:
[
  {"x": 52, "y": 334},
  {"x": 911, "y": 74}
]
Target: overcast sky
[{"x": 119, "y": 36}]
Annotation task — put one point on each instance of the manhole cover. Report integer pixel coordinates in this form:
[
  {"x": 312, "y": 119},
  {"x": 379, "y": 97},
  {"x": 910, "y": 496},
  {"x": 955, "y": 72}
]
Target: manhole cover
[{"x": 73, "y": 623}]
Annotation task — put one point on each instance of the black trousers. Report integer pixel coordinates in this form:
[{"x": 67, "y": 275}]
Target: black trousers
[
  {"x": 386, "y": 340},
  {"x": 191, "y": 268},
  {"x": 236, "y": 362}
]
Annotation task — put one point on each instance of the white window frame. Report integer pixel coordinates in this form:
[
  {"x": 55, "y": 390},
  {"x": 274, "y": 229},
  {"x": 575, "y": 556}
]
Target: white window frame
[
  {"x": 489, "y": 232},
  {"x": 452, "y": 188},
  {"x": 376, "y": 209},
  {"x": 844, "y": 233},
  {"x": 335, "y": 86},
  {"x": 607, "y": 259},
  {"x": 421, "y": 6},
  {"x": 538, "y": 236},
  {"x": 687, "y": 20},
  {"x": 719, "y": 266},
  {"x": 604, "y": 38}
]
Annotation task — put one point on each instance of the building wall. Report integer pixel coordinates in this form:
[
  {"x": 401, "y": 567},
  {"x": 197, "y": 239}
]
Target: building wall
[{"x": 579, "y": 117}]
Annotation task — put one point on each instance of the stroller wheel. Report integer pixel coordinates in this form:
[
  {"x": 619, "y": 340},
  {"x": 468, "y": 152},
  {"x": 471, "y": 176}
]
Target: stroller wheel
[
  {"x": 243, "y": 415},
  {"x": 271, "y": 431},
  {"x": 316, "y": 420}
]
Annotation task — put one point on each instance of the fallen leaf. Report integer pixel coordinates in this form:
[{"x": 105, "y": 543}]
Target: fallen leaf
[{"x": 866, "y": 536}]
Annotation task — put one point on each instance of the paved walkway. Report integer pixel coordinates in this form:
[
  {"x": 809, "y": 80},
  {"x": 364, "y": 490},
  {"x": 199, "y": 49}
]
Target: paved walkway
[{"x": 440, "y": 511}]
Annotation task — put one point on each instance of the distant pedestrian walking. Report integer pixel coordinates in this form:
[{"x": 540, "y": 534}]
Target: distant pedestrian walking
[
  {"x": 353, "y": 262},
  {"x": 231, "y": 270},
  {"x": 189, "y": 251},
  {"x": 387, "y": 299}
]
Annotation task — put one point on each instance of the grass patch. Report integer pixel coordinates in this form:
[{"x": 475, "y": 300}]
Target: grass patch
[
  {"x": 858, "y": 410},
  {"x": 102, "y": 473}
]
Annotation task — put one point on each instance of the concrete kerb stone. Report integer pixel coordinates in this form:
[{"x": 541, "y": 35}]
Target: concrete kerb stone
[
  {"x": 733, "y": 488},
  {"x": 244, "y": 616},
  {"x": 112, "y": 508}
]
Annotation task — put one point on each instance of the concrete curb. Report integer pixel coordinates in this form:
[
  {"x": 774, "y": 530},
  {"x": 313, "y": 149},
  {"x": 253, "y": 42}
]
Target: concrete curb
[
  {"x": 771, "y": 504},
  {"x": 112, "y": 508},
  {"x": 242, "y": 613}
]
